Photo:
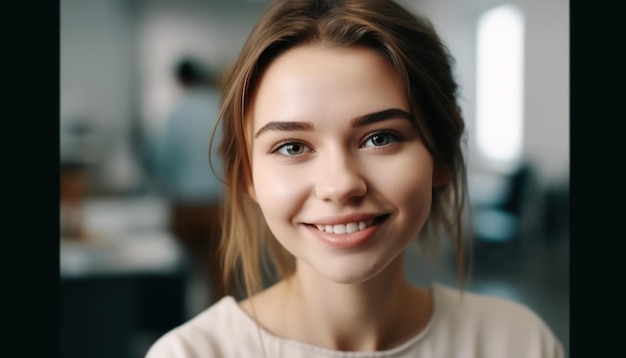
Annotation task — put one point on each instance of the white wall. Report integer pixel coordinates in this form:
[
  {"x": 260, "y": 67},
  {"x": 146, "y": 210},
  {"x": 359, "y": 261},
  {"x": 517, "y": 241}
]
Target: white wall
[
  {"x": 546, "y": 76},
  {"x": 97, "y": 59},
  {"x": 547, "y": 86},
  {"x": 209, "y": 30}
]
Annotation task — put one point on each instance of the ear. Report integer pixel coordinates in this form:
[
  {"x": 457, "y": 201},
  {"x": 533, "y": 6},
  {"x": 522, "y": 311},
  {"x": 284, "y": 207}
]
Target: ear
[{"x": 441, "y": 177}]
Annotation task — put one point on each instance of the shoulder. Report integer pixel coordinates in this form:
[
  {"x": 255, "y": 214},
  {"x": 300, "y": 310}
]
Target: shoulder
[
  {"x": 495, "y": 324},
  {"x": 209, "y": 334},
  {"x": 473, "y": 306}
]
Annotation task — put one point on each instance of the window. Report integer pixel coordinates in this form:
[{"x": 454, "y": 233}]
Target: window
[{"x": 500, "y": 87}]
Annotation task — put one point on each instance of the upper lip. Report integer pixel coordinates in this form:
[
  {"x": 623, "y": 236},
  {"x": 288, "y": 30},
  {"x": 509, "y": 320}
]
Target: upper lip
[{"x": 345, "y": 219}]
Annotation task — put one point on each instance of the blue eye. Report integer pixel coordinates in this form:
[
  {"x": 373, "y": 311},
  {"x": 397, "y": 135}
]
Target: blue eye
[
  {"x": 380, "y": 139},
  {"x": 292, "y": 149}
]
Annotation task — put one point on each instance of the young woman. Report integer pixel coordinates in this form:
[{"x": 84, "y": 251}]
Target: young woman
[{"x": 342, "y": 144}]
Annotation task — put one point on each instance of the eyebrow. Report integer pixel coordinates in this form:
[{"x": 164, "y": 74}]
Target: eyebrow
[
  {"x": 375, "y": 117},
  {"x": 359, "y": 121}
]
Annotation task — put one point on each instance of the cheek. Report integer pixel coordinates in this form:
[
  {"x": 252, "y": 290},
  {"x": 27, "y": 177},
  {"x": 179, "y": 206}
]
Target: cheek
[
  {"x": 278, "y": 192},
  {"x": 406, "y": 177},
  {"x": 413, "y": 196},
  {"x": 407, "y": 185}
]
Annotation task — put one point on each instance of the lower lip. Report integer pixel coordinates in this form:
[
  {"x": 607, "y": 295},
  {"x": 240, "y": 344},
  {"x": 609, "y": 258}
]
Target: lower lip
[{"x": 345, "y": 241}]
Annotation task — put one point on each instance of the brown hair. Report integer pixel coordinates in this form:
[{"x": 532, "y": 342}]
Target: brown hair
[{"x": 411, "y": 45}]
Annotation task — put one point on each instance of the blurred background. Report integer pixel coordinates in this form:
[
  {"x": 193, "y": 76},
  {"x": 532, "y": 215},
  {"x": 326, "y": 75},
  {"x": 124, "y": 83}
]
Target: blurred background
[{"x": 138, "y": 77}]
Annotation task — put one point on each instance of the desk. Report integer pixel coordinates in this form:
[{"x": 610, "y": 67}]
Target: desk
[{"x": 128, "y": 277}]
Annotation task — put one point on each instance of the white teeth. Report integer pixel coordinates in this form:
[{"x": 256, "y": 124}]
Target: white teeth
[
  {"x": 345, "y": 228},
  {"x": 339, "y": 229},
  {"x": 352, "y": 227}
]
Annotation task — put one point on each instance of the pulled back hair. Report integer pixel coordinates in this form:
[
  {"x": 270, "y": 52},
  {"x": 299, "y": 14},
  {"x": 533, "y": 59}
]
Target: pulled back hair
[{"x": 411, "y": 45}]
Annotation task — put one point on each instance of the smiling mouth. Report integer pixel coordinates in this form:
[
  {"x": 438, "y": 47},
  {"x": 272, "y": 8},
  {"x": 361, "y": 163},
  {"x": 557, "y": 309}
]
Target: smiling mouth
[{"x": 351, "y": 227}]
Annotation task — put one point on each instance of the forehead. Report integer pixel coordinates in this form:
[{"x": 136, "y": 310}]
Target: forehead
[{"x": 314, "y": 81}]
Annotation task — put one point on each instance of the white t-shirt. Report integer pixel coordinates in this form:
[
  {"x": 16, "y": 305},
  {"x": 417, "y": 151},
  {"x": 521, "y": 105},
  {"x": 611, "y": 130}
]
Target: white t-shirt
[{"x": 477, "y": 327}]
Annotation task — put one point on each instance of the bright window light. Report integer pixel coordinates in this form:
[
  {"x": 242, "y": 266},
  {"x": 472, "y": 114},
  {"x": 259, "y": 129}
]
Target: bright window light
[{"x": 500, "y": 75}]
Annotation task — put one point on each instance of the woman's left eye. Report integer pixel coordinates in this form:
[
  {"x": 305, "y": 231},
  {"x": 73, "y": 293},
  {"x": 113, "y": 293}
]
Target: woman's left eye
[{"x": 380, "y": 139}]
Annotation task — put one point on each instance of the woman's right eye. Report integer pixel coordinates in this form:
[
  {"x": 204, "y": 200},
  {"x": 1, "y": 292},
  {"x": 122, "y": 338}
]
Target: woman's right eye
[{"x": 292, "y": 149}]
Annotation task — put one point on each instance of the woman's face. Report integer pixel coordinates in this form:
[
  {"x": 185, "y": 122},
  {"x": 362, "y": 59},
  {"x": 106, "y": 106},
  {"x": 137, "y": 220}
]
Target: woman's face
[{"x": 339, "y": 170}]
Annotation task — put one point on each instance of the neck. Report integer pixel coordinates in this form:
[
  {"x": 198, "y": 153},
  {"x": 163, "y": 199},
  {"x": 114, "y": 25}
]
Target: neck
[{"x": 378, "y": 314}]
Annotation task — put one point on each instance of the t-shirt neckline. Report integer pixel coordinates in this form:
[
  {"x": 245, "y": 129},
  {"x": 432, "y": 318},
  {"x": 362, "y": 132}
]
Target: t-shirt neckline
[{"x": 277, "y": 340}]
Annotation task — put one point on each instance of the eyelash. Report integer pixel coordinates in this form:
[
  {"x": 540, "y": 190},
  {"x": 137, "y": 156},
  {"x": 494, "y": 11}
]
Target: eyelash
[
  {"x": 393, "y": 135},
  {"x": 284, "y": 143}
]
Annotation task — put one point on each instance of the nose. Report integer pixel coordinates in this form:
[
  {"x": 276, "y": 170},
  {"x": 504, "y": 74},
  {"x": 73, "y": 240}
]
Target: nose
[{"x": 339, "y": 179}]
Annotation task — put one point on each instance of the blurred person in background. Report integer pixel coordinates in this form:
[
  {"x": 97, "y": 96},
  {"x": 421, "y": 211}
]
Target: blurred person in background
[{"x": 191, "y": 184}]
